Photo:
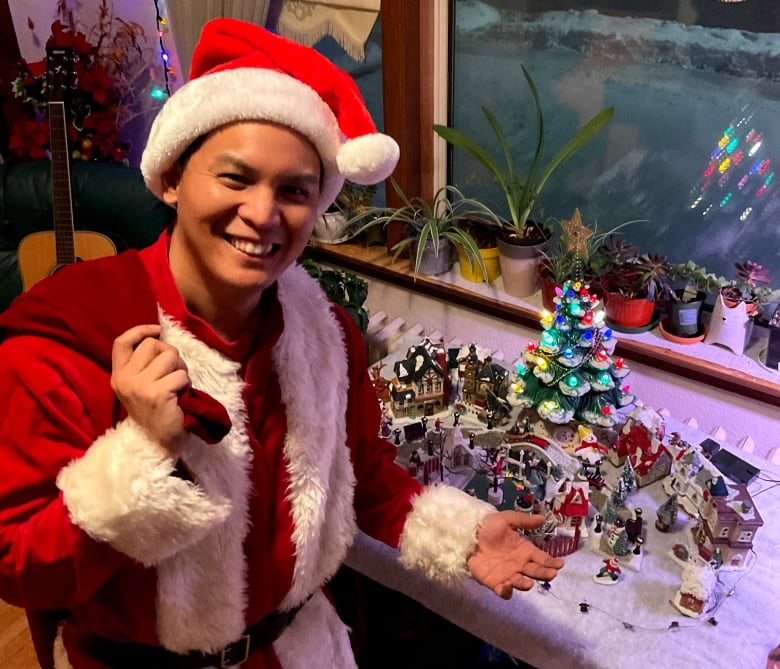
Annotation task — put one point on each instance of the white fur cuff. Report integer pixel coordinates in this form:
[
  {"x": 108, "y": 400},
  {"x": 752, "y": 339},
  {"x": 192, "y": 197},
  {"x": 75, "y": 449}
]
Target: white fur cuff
[
  {"x": 122, "y": 492},
  {"x": 441, "y": 532}
]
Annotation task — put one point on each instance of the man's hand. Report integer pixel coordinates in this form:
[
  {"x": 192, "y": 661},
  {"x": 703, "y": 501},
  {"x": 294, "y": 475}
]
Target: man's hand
[
  {"x": 504, "y": 560},
  {"x": 147, "y": 376}
]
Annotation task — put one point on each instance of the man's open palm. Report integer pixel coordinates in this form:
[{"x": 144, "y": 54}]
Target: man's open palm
[{"x": 504, "y": 560}]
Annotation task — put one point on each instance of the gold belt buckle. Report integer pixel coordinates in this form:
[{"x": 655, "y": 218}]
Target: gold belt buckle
[{"x": 225, "y": 659}]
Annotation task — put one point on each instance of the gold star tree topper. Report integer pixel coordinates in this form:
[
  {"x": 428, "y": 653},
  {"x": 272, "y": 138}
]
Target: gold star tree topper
[{"x": 577, "y": 234}]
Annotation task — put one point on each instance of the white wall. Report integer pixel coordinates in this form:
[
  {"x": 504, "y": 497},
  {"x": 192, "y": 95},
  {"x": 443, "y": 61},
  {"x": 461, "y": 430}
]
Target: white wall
[{"x": 684, "y": 398}]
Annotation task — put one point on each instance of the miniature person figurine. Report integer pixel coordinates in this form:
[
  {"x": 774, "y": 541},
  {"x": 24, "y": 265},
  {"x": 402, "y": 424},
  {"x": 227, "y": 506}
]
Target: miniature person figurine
[
  {"x": 667, "y": 514},
  {"x": 490, "y": 414},
  {"x": 437, "y": 425},
  {"x": 609, "y": 574},
  {"x": 424, "y": 421}
]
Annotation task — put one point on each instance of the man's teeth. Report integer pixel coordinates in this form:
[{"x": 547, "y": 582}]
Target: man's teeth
[{"x": 252, "y": 248}]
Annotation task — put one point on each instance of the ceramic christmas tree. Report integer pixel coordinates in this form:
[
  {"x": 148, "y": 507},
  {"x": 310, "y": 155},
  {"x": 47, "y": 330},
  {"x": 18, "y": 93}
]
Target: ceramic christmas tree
[{"x": 569, "y": 372}]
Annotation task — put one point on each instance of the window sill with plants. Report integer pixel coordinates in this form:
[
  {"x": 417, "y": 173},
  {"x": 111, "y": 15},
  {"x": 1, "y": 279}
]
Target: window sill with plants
[{"x": 705, "y": 363}]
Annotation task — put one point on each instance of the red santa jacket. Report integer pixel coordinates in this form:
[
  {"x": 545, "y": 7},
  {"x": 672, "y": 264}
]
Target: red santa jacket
[{"x": 92, "y": 521}]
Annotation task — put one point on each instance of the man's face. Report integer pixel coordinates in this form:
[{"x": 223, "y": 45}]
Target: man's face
[{"x": 246, "y": 204}]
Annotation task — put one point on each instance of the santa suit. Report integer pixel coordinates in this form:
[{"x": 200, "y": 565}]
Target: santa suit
[{"x": 94, "y": 521}]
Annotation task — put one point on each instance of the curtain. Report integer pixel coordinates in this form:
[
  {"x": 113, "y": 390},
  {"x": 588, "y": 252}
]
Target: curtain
[
  {"x": 349, "y": 22},
  {"x": 188, "y": 16}
]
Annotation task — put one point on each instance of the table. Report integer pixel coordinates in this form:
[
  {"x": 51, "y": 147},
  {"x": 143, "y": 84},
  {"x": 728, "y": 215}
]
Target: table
[{"x": 629, "y": 624}]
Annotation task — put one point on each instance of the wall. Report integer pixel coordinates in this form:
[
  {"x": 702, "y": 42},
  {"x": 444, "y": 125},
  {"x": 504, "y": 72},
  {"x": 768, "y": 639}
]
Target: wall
[{"x": 711, "y": 408}]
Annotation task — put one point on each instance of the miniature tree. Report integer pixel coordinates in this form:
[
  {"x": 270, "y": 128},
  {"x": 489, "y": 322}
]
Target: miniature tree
[
  {"x": 569, "y": 373},
  {"x": 628, "y": 477}
]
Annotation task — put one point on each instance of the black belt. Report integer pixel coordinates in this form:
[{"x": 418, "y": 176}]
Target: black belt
[{"x": 118, "y": 655}]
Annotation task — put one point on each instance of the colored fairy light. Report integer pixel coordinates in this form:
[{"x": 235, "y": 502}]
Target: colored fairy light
[
  {"x": 548, "y": 339},
  {"x": 607, "y": 334},
  {"x": 619, "y": 363},
  {"x": 587, "y": 336},
  {"x": 724, "y": 165},
  {"x": 542, "y": 363},
  {"x": 626, "y": 388},
  {"x": 577, "y": 285},
  {"x": 763, "y": 167},
  {"x": 754, "y": 149},
  {"x": 161, "y": 22},
  {"x": 722, "y": 142},
  {"x": 158, "y": 93},
  {"x": 743, "y": 216},
  {"x": 531, "y": 346},
  {"x": 604, "y": 379},
  {"x": 571, "y": 381},
  {"x": 606, "y": 411},
  {"x": 732, "y": 145},
  {"x": 568, "y": 354},
  {"x": 517, "y": 388},
  {"x": 600, "y": 315},
  {"x": 736, "y": 159},
  {"x": 742, "y": 182},
  {"x": 601, "y": 355},
  {"x": 549, "y": 405},
  {"x": 574, "y": 309},
  {"x": 755, "y": 167},
  {"x": 726, "y": 199},
  {"x": 570, "y": 294},
  {"x": 560, "y": 319},
  {"x": 696, "y": 202},
  {"x": 710, "y": 169}
]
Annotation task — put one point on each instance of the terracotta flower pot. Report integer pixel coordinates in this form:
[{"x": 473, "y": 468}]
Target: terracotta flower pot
[{"x": 627, "y": 312}]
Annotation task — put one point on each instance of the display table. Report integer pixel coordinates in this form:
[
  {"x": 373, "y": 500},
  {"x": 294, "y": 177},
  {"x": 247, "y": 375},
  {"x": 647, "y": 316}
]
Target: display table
[{"x": 631, "y": 624}]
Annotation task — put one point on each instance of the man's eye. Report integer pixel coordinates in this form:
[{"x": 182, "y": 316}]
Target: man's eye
[{"x": 233, "y": 178}]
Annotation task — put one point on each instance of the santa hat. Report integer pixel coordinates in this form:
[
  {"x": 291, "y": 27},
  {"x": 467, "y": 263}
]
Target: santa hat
[{"x": 242, "y": 72}]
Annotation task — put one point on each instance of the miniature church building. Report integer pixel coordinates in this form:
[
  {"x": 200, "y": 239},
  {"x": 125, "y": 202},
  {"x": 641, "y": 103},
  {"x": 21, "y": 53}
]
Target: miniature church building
[
  {"x": 728, "y": 522},
  {"x": 691, "y": 478}
]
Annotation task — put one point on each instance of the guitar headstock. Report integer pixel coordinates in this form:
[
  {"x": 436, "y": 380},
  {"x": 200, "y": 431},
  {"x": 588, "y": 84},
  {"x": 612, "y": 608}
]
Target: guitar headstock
[{"x": 60, "y": 72}]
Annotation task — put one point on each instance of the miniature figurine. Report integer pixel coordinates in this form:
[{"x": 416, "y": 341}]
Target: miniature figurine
[
  {"x": 437, "y": 425},
  {"x": 609, "y": 574},
  {"x": 667, "y": 514},
  {"x": 456, "y": 416},
  {"x": 424, "y": 421},
  {"x": 638, "y": 546},
  {"x": 397, "y": 433},
  {"x": 599, "y": 520},
  {"x": 472, "y": 437},
  {"x": 490, "y": 414}
]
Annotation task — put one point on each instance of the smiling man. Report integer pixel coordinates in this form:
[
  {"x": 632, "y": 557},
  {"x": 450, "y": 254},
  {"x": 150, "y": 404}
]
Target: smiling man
[{"x": 189, "y": 435}]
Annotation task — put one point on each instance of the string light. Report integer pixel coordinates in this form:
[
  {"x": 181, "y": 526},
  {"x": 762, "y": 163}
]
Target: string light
[{"x": 159, "y": 93}]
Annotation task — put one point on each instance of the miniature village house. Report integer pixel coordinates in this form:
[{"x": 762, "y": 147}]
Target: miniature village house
[
  {"x": 691, "y": 478},
  {"x": 728, "y": 524},
  {"x": 421, "y": 386},
  {"x": 570, "y": 505},
  {"x": 640, "y": 440}
]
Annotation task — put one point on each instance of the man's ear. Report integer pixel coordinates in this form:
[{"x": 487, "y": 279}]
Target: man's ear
[{"x": 170, "y": 183}]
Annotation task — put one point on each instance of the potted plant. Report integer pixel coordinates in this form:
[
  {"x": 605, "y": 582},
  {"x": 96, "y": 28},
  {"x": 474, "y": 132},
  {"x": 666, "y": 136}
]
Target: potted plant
[
  {"x": 631, "y": 282},
  {"x": 562, "y": 261},
  {"x": 431, "y": 228},
  {"x": 740, "y": 302},
  {"x": 520, "y": 237},
  {"x": 484, "y": 234},
  {"x": 682, "y": 321},
  {"x": 343, "y": 288},
  {"x": 353, "y": 199}
]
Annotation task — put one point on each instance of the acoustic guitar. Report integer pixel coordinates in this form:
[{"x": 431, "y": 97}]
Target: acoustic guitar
[{"x": 43, "y": 253}]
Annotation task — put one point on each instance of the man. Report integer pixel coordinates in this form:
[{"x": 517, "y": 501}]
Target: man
[{"x": 192, "y": 439}]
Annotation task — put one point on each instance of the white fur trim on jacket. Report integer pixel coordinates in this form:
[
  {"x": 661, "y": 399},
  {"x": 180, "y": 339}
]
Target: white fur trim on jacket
[
  {"x": 313, "y": 377},
  {"x": 440, "y": 533},
  {"x": 316, "y": 638},
  {"x": 121, "y": 492}
]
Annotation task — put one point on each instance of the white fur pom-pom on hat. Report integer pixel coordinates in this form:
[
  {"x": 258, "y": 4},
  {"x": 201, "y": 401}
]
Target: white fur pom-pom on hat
[{"x": 242, "y": 72}]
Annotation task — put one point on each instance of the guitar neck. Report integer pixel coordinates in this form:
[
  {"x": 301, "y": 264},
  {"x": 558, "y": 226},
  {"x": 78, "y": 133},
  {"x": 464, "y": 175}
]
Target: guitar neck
[{"x": 60, "y": 182}]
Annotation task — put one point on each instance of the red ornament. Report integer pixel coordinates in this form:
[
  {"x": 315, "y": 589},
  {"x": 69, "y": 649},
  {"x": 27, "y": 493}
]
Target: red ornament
[
  {"x": 601, "y": 355},
  {"x": 619, "y": 363},
  {"x": 531, "y": 346},
  {"x": 606, "y": 411}
]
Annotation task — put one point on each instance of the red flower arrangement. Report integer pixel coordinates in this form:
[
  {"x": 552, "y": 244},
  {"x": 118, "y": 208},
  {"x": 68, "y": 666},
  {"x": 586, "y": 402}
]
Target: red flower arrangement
[{"x": 106, "y": 75}]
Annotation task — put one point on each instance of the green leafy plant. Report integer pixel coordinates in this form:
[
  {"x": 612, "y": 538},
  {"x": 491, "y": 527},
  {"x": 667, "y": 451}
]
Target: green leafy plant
[
  {"x": 559, "y": 262},
  {"x": 627, "y": 272},
  {"x": 344, "y": 288},
  {"x": 522, "y": 190},
  {"x": 752, "y": 286},
  {"x": 430, "y": 221},
  {"x": 354, "y": 198},
  {"x": 695, "y": 279}
]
